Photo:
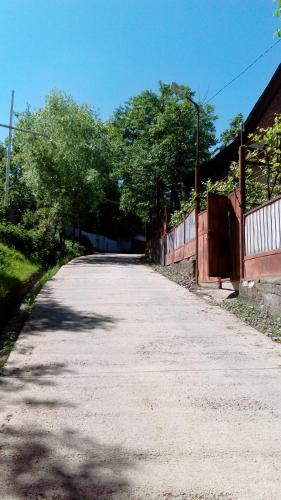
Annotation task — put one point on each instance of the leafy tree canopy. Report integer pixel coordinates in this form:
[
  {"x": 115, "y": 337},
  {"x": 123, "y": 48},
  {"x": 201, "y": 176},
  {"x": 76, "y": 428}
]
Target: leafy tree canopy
[
  {"x": 65, "y": 169},
  {"x": 234, "y": 128},
  {"x": 155, "y": 148},
  {"x": 277, "y": 13},
  {"x": 263, "y": 173}
]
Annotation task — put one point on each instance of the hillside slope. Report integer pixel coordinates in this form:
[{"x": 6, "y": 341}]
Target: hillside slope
[{"x": 15, "y": 270}]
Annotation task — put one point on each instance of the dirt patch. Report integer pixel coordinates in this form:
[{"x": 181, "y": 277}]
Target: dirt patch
[{"x": 181, "y": 273}]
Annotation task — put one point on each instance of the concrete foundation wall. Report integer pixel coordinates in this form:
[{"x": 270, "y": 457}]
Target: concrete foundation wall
[{"x": 264, "y": 293}]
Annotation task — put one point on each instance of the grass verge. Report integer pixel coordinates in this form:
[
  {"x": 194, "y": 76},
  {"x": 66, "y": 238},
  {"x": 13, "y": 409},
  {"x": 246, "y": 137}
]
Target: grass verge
[
  {"x": 15, "y": 270},
  {"x": 21, "y": 279},
  {"x": 255, "y": 317},
  {"x": 30, "y": 297},
  {"x": 15, "y": 325}
]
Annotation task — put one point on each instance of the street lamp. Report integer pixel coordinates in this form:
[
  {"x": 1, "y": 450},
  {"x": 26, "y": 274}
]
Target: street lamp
[{"x": 181, "y": 92}]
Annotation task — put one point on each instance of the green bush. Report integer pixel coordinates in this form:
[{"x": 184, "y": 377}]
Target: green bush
[
  {"x": 41, "y": 246},
  {"x": 72, "y": 249},
  {"x": 15, "y": 270},
  {"x": 46, "y": 247},
  {"x": 17, "y": 237}
]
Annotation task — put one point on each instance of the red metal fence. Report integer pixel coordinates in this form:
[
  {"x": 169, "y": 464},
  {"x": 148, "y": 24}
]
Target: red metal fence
[
  {"x": 263, "y": 240},
  {"x": 180, "y": 242},
  {"x": 219, "y": 240}
]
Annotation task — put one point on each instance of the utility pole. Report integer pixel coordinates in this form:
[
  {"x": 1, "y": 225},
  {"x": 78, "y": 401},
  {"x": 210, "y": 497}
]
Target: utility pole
[{"x": 8, "y": 162}]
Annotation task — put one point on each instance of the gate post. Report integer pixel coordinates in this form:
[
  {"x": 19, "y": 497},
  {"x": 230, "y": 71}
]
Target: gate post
[{"x": 242, "y": 187}]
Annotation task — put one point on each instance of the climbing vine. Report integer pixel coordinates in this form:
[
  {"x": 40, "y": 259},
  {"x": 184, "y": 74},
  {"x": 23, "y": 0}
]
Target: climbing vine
[{"x": 263, "y": 173}]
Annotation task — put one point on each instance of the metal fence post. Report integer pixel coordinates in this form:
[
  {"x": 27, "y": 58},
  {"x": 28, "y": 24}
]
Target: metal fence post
[{"x": 242, "y": 187}]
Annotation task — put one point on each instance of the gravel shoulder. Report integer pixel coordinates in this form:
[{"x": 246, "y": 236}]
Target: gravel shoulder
[{"x": 250, "y": 315}]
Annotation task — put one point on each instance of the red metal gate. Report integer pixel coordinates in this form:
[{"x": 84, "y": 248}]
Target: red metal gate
[{"x": 219, "y": 263}]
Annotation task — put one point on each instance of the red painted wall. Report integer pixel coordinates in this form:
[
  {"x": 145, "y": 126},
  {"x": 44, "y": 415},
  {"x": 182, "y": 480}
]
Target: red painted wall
[
  {"x": 184, "y": 252},
  {"x": 264, "y": 264}
]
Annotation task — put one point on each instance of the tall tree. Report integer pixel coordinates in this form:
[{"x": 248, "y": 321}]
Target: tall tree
[
  {"x": 155, "y": 133},
  {"x": 234, "y": 129},
  {"x": 65, "y": 168}
]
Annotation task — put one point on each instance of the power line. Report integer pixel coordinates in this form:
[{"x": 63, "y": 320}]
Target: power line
[{"x": 244, "y": 70}]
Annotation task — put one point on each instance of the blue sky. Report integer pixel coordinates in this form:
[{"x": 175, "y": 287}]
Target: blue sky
[{"x": 104, "y": 51}]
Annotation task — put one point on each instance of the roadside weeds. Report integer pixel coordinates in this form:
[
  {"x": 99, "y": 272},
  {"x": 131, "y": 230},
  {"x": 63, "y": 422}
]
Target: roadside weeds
[{"x": 260, "y": 320}]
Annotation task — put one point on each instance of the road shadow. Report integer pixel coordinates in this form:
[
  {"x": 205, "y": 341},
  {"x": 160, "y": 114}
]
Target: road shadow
[
  {"x": 41, "y": 457},
  {"x": 37, "y": 464},
  {"x": 14, "y": 379},
  {"x": 108, "y": 259},
  {"x": 50, "y": 314}
]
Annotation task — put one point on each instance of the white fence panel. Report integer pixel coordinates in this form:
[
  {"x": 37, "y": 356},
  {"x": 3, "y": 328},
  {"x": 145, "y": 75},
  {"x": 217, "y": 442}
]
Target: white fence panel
[
  {"x": 263, "y": 228},
  {"x": 190, "y": 227},
  {"x": 182, "y": 234},
  {"x": 170, "y": 241},
  {"x": 179, "y": 235}
]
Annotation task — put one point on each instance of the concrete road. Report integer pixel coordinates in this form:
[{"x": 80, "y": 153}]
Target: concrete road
[{"x": 124, "y": 385}]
